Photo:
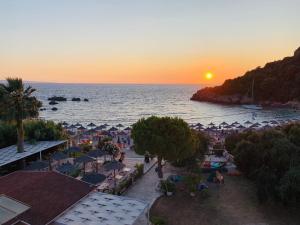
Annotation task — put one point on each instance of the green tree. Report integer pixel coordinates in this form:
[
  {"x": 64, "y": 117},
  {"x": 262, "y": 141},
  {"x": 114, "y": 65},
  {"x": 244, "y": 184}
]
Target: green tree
[
  {"x": 111, "y": 149},
  {"x": 40, "y": 130},
  {"x": 17, "y": 104},
  {"x": 103, "y": 141},
  {"x": 8, "y": 134},
  {"x": 165, "y": 137},
  {"x": 271, "y": 159}
]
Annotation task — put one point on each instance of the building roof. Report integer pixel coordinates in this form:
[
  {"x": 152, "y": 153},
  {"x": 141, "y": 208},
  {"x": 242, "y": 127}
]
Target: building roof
[
  {"x": 101, "y": 208},
  {"x": 47, "y": 193},
  {"x": 10, "y": 154},
  {"x": 10, "y": 208}
]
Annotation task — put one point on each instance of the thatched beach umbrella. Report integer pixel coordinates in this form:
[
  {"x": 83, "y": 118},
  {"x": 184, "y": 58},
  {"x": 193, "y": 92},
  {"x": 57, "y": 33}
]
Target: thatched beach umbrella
[
  {"x": 267, "y": 127},
  {"x": 228, "y": 127},
  {"x": 211, "y": 124},
  {"x": 248, "y": 123},
  {"x": 98, "y": 153},
  {"x": 255, "y": 125},
  {"x": 83, "y": 160},
  {"x": 64, "y": 123},
  {"x": 78, "y": 125},
  {"x": 81, "y": 128},
  {"x": 93, "y": 178},
  {"x": 57, "y": 156},
  {"x": 119, "y": 125},
  {"x": 223, "y": 124},
  {"x": 214, "y": 128},
  {"x": 114, "y": 165},
  {"x": 112, "y": 129},
  {"x": 99, "y": 128},
  {"x": 273, "y": 122},
  {"x": 91, "y": 125},
  {"x": 66, "y": 168},
  {"x": 127, "y": 129},
  {"x": 235, "y": 123},
  {"x": 72, "y": 126},
  {"x": 265, "y": 122},
  {"x": 240, "y": 127},
  {"x": 73, "y": 150}
]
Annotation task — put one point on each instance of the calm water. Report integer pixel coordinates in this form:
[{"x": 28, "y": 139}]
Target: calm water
[{"x": 125, "y": 104}]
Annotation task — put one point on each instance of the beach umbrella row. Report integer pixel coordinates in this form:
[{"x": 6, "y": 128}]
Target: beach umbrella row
[{"x": 78, "y": 126}]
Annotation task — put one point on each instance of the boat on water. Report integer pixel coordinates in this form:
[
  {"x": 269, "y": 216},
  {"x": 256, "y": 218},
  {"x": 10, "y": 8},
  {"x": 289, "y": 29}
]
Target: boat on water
[{"x": 254, "y": 107}]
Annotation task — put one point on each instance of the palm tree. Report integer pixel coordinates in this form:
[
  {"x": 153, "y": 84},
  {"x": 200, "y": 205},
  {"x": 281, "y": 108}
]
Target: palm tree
[{"x": 17, "y": 104}]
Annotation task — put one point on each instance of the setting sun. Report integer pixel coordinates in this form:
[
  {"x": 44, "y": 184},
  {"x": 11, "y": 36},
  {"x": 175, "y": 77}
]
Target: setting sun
[{"x": 208, "y": 75}]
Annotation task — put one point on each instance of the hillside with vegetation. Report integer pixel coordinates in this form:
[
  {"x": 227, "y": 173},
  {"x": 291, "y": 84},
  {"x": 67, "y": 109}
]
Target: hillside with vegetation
[{"x": 275, "y": 84}]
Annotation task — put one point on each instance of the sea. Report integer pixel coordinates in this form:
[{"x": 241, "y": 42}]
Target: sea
[{"x": 127, "y": 103}]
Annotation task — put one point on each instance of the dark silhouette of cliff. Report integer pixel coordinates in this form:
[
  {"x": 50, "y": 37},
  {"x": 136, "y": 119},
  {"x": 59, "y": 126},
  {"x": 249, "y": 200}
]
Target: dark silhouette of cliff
[{"x": 276, "y": 83}]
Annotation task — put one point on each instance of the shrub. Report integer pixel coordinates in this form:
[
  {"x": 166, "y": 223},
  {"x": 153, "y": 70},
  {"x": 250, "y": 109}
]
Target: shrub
[
  {"x": 86, "y": 147},
  {"x": 8, "y": 134},
  {"x": 167, "y": 186},
  {"x": 35, "y": 130},
  {"x": 271, "y": 159},
  {"x": 75, "y": 173},
  {"x": 139, "y": 169},
  {"x": 155, "y": 220}
]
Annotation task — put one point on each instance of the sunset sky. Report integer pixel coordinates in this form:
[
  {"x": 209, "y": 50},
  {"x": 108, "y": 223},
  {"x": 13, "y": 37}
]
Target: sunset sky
[{"x": 139, "y": 41}]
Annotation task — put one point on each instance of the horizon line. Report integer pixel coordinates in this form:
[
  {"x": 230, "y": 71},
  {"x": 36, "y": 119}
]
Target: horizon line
[{"x": 112, "y": 83}]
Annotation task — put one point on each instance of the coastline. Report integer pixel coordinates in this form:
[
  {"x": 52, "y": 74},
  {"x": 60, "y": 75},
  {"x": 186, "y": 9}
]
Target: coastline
[{"x": 242, "y": 100}]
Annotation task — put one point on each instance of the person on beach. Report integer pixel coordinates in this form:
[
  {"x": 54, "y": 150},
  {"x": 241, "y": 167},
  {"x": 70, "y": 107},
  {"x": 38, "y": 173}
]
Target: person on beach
[{"x": 122, "y": 157}]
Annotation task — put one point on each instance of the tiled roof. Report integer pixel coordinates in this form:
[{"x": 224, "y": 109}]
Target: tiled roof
[
  {"x": 10, "y": 154},
  {"x": 47, "y": 193}
]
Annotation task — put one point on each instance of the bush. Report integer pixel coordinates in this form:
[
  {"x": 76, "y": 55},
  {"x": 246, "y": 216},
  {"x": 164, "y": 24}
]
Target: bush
[
  {"x": 86, "y": 147},
  {"x": 155, "y": 220},
  {"x": 192, "y": 181},
  {"x": 75, "y": 173},
  {"x": 35, "y": 130},
  {"x": 167, "y": 186},
  {"x": 40, "y": 130},
  {"x": 8, "y": 134},
  {"x": 139, "y": 169},
  {"x": 271, "y": 159}
]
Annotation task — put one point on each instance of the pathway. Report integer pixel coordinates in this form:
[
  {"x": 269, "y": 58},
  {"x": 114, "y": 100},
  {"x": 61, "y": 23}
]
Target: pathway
[{"x": 145, "y": 189}]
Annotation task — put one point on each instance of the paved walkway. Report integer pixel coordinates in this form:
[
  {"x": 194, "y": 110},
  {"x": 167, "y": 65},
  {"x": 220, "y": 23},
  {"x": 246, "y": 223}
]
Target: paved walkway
[{"x": 145, "y": 190}]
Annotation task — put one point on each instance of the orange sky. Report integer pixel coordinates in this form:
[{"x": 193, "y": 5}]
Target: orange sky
[
  {"x": 143, "y": 42},
  {"x": 147, "y": 69}
]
